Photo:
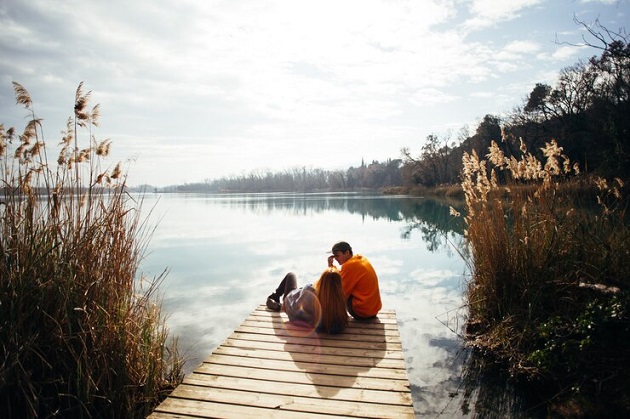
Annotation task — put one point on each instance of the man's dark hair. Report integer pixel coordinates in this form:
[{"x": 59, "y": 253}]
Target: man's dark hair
[{"x": 342, "y": 247}]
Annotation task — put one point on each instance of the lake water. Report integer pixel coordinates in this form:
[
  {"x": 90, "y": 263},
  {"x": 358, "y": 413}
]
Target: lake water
[{"x": 226, "y": 253}]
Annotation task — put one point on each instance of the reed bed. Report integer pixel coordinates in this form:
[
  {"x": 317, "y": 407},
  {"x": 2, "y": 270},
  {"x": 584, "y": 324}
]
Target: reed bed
[
  {"x": 549, "y": 256},
  {"x": 81, "y": 335}
]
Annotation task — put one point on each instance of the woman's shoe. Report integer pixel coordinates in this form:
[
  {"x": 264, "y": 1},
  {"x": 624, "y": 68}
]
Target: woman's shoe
[{"x": 273, "y": 304}]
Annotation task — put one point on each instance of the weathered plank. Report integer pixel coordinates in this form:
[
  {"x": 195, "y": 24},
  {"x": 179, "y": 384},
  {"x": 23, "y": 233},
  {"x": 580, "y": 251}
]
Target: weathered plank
[{"x": 269, "y": 367}]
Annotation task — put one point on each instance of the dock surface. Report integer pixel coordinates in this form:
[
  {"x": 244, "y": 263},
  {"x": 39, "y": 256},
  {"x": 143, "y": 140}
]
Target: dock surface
[{"x": 269, "y": 367}]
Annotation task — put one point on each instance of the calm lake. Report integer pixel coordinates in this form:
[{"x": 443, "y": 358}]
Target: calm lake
[{"x": 226, "y": 253}]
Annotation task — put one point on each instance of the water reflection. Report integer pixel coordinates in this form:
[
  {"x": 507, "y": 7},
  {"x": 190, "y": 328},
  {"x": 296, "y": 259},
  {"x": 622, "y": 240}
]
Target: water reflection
[
  {"x": 489, "y": 393},
  {"x": 435, "y": 223},
  {"x": 430, "y": 217},
  {"x": 389, "y": 207},
  {"x": 226, "y": 253}
]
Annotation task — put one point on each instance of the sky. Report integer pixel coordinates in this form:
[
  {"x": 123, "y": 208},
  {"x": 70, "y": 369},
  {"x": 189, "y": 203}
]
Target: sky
[{"x": 194, "y": 90}]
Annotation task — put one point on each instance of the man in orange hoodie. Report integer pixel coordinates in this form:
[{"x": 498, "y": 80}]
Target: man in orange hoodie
[{"x": 358, "y": 280}]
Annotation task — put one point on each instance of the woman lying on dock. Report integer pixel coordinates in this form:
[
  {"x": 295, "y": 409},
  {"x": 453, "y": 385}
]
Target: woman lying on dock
[{"x": 321, "y": 306}]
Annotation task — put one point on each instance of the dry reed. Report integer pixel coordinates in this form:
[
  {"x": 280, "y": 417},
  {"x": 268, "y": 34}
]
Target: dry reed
[
  {"x": 549, "y": 270},
  {"x": 80, "y": 334}
]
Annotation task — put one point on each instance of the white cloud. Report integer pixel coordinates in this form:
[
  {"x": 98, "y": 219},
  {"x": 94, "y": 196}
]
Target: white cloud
[
  {"x": 489, "y": 12},
  {"x": 522, "y": 47},
  {"x": 563, "y": 53},
  {"x": 516, "y": 51},
  {"x": 600, "y": 1},
  {"x": 482, "y": 94},
  {"x": 427, "y": 97}
]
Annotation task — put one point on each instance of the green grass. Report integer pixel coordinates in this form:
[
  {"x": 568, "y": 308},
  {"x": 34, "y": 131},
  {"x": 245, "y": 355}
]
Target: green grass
[
  {"x": 81, "y": 335},
  {"x": 548, "y": 297}
]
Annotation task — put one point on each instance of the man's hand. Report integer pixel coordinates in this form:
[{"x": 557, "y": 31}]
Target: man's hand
[{"x": 331, "y": 258}]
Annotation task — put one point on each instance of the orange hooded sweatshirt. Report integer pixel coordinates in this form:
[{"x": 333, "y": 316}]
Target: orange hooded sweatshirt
[{"x": 359, "y": 279}]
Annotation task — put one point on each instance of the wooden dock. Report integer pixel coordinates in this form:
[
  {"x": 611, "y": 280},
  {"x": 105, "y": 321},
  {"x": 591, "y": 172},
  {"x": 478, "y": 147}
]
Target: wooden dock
[{"x": 268, "y": 367}]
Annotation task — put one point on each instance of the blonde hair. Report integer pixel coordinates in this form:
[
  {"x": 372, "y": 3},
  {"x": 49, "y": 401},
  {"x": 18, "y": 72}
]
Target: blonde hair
[{"x": 333, "y": 302}]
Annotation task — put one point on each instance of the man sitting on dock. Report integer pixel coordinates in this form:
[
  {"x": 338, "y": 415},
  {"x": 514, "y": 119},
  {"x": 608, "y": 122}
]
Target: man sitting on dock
[{"x": 358, "y": 280}]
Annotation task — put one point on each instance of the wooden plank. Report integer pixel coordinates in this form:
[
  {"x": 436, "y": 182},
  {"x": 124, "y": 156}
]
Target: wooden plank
[
  {"x": 306, "y": 390},
  {"x": 174, "y": 407},
  {"x": 268, "y": 367},
  {"x": 384, "y": 318},
  {"x": 310, "y": 366},
  {"x": 306, "y": 357},
  {"x": 347, "y": 335},
  {"x": 278, "y": 401},
  {"x": 323, "y": 341},
  {"x": 310, "y": 348},
  {"x": 305, "y": 377},
  {"x": 265, "y": 324}
]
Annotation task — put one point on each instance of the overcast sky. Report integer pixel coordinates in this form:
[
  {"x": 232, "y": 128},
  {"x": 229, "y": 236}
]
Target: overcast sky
[{"x": 199, "y": 89}]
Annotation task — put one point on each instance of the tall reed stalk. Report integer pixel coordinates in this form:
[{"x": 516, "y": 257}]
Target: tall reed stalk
[
  {"x": 550, "y": 256},
  {"x": 80, "y": 334}
]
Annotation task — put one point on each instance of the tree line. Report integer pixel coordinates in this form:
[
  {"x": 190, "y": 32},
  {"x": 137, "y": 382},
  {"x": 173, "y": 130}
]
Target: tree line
[
  {"x": 586, "y": 112},
  {"x": 375, "y": 175}
]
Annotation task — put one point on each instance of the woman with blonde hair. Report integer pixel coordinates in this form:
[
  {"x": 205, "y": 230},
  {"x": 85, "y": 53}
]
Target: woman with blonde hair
[{"x": 321, "y": 306}]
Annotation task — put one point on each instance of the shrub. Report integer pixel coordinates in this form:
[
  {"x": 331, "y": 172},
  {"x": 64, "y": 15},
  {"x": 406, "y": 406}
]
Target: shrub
[
  {"x": 80, "y": 334},
  {"x": 549, "y": 264}
]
